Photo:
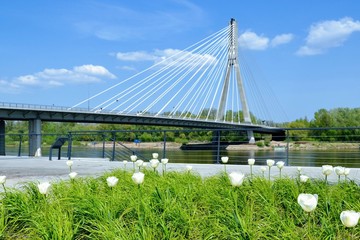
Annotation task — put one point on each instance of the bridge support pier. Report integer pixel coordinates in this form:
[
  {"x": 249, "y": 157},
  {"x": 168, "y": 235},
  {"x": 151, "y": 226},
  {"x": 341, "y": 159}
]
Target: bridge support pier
[
  {"x": 251, "y": 137},
  {"x": 35, "y": 137},
  {"x": 2, "y": 138}
]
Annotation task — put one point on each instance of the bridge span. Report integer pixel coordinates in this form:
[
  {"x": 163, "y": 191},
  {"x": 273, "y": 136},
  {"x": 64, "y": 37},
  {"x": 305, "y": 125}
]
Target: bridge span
[{"x": 36, "y": 114}]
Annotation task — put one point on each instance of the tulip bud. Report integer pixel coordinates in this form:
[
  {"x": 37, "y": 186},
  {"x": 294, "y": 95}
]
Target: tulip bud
[
  {"x": 280, "y": 164},
  {"x": 164, "y": 161},
  {"x": 308, "y": 202},
  {"x": 69, "y": 163},
  {"x": 112, "y": 181},
  {"x": 155, "y": 155},
  {"x": 188, "y": 168},
  {"x": 339, "y": 170},
  {"x": 236, "y": 179},
  {"x": 349, "y": 218},
  {"x": 224, "y": 159},
  {"x": 138, "y": 178},
  {"x": 304, "y": 178},
  {"x": 327, "y": 169},
  {"x": 44, "y": 187},
  {"x": 2, "y": 179},
  {"x": 133, "y": 158},
  {"x": 270, "y": 162},
  {"x": 251, "y": 161},
  {"x": 73, "y": 175}
]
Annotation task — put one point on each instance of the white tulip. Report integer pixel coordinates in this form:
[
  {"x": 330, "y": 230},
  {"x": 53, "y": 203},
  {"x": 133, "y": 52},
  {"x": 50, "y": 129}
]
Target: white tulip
[
  {"x": 251, "y": 161},
  {"x": 69, "y": 163},
  {"x": 144, "y": 165},
  {"x": 236, "y": 179},
  {"x": 112, "y": 181},
  {"x": 349, "y": 218},
  {"x": 304, "y": 178},
  {"x": 154, "y": 163},
  {"x": 44, "y": 187},
  {"x": 155, "y": 155},
  {"x": 327, "y": 169},
  {"x": 139, "y": 163},
  {"x": 2, "y": 179},
  {"x": 270, "y": 162},
  {"x": 224, "y": 159},
  {"x": 164, "y": 161},
  {"x": 308, "y": 202},
  {"x": 138, "y": 178},
  {"x": 339, "y": 170},
  {"x": 299, "y": 170},
  {"x": 188, "y": 168},
  {"x": 73, "y": 175},
  {"x": 125, "y": 162},
  {"x": 263, "y": 169},
  {"x": 347, "y": 171},
  {"x": 133, "y": 158},
  {"x": 280, "y": 164}
]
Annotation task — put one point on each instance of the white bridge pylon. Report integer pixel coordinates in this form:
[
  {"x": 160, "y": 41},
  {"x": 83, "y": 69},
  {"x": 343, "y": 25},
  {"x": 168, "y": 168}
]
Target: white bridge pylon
[{"x": 201, "y": 82}]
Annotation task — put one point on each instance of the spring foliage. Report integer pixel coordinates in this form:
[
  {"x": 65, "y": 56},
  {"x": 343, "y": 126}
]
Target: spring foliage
[{"x": 178, "y": 205}]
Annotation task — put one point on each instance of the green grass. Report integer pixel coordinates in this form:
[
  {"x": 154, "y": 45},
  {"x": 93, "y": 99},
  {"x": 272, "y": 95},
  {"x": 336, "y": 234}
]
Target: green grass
[{"x": 176, "y": 206}]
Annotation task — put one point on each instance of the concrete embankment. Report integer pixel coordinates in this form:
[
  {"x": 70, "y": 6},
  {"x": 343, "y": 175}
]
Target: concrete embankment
[{"x": 24, "y": 169}]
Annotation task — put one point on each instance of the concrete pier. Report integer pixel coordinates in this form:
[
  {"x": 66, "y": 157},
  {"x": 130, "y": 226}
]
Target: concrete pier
[{"x": 24, "y": 169}]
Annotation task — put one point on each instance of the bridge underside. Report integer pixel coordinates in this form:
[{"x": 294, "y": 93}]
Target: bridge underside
[{"x": 35, "y": 117}]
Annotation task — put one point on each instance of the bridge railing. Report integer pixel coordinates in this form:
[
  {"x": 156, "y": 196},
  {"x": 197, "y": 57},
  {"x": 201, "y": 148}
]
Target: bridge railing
[{"x": 302, "y": 147}]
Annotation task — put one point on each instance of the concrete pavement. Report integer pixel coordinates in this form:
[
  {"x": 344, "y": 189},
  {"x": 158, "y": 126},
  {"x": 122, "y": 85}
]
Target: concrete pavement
[{"x": 39, "y": 169}]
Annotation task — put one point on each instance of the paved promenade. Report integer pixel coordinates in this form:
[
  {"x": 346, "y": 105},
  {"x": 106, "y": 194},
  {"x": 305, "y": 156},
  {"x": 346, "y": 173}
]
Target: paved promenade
[{"x": 24, "y": 169}]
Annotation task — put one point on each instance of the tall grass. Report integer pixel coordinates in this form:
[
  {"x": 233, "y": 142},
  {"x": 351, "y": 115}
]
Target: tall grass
[{"x": 177, "y": 206}]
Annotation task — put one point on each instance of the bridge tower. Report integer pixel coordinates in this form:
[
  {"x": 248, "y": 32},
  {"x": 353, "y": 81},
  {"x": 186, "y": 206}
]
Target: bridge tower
[{"x": 233, "y": 64}]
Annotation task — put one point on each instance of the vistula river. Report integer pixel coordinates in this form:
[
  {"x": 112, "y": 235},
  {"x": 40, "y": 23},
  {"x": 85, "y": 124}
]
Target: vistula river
[{"x": 339, "y": 157}]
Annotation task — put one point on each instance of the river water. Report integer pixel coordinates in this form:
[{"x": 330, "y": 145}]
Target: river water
[{"x": 344, "y": 157}]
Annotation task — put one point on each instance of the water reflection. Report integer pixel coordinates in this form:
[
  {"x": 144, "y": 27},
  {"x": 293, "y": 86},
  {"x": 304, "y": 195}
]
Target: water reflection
[{"x": 346, "y": 158}]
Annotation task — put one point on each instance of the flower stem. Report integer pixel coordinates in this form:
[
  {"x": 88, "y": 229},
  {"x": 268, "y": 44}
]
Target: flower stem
[
  {"x": 269, "y": 173},
  {"x": 4, "y": 188},
  {"x": 251, "y": 171},
  {"x": 280, "y": 173},
  {"x": 225, "y": 168}
]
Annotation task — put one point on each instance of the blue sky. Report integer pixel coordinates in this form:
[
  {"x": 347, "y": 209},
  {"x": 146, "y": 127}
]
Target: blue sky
[{"x": 61, "y": 52}]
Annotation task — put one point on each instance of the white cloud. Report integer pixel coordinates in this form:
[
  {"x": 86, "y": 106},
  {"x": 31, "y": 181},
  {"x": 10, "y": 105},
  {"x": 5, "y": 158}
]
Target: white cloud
[
  {"x": 328, "y": 34},
  {"x": 136, "y": 56},
  {"x": 51, "y": 77},
  {"x": 94, "y": 70},
  {"x": 8, "y": 87},
  {"x": 281, "y": 39},
  {"x": 252, "y": 41},
  {"x": 168, "y": 56}
]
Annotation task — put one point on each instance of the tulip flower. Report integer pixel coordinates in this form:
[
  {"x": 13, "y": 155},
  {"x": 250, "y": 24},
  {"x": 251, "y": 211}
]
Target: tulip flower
[
  {"x": 139, "y": 163},
  {"x": 304, "y": 178},
  {"x": 188, "y": 168},
  {"x": 154, "y": 163},
  {"x": 138, "y": 178},
  {"x": 69, "y": 163},
  {"x": 2, "y": 181},
  {"x": 224, "y": 161},
  {"x": 280, "y": 165},
  {"x": 155, "y": 155},
  {"x": 236, "y": 179},
  {"x": 327, "y": 170},
  {"x": 308, "y": 202},
  {"x": 270, "y": 163},
  {"x": 263, "y": 170},
  {"x": 72, "y": 175},
  {"x": 339, "y": 171},
  {"x": 164, "y": 161},
  {"x": 133, "y": 158},
  {"x": 112, "y": 181},
  {"x": 44, "y": 188},
  {"x": 251, "y": 162},
  {"x": 346, "y": 172},
  {"x": 349, "y": 218}
]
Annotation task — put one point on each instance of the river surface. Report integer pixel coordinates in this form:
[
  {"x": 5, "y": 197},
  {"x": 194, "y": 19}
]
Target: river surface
[{"x": 345, "y": 157}]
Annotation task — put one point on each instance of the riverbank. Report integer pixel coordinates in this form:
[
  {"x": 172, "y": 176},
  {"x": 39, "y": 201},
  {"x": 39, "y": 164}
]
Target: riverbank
[{"x": 303, "y": 145}]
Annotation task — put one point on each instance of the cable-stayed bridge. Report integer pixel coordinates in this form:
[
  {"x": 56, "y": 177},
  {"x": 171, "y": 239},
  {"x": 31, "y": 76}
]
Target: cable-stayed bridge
[{"x": 201, "y": 87}]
